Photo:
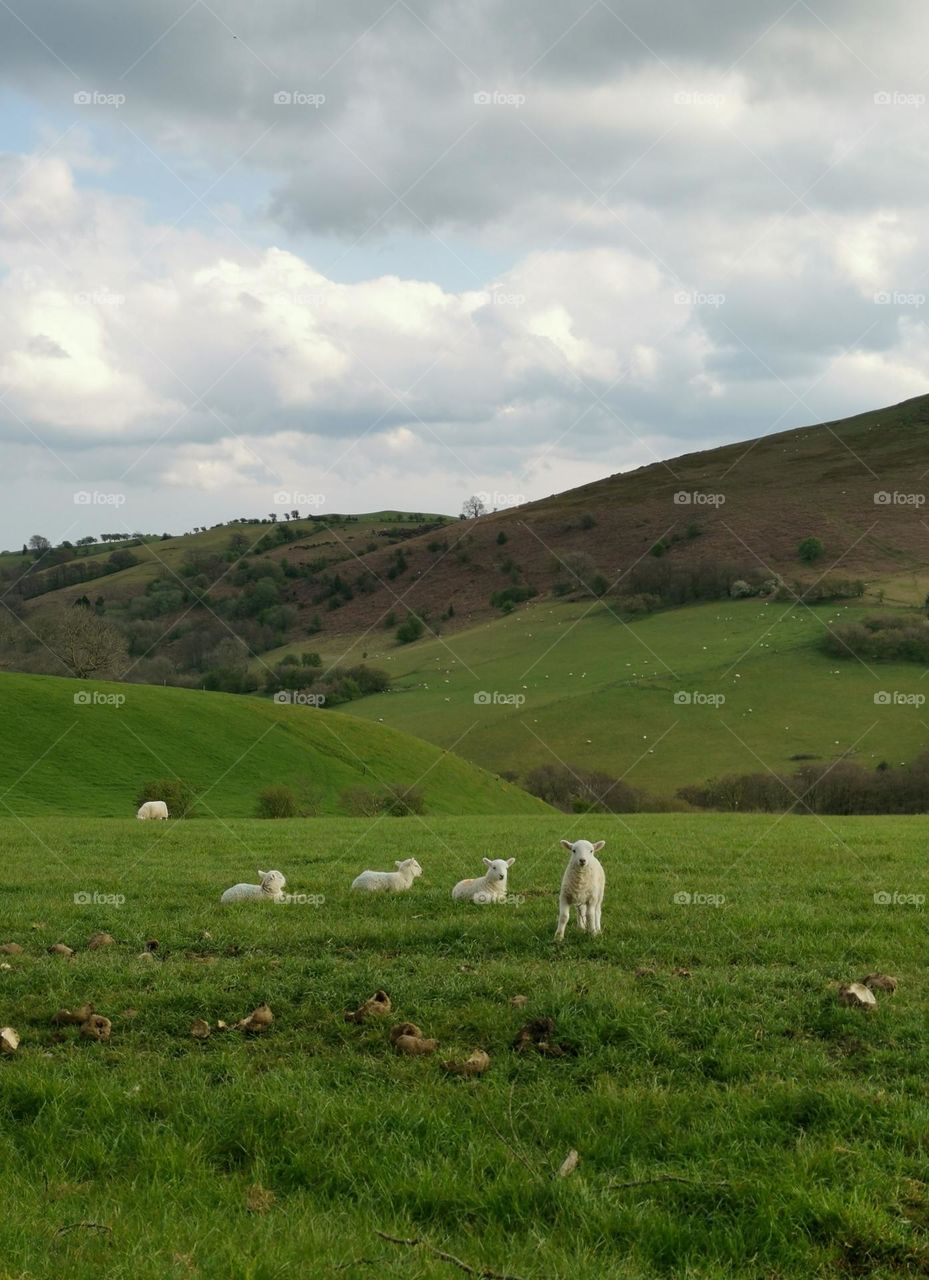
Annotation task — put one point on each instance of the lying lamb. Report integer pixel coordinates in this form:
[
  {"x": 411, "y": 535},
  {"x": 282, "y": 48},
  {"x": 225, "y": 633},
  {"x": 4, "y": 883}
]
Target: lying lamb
[
  {"x": 153, "y": 809},
  {"x": 389, "y": 881},
  {"x": 582, "y": 886},
  {"x": 490, "y": 887},
  {"x": 271, "y": 889}
]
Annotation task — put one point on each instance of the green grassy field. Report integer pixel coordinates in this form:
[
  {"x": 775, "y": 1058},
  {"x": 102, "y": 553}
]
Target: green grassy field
[
  {"x": 601, "y": 694},
  {"x": 737, "y": 1122},
  {"x": 91, "y": 756}
]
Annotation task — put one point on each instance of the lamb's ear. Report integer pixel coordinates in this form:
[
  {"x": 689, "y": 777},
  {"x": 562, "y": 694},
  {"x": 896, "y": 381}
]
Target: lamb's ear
[
  {"x": 568, "y": 845},
  {"x": 398, "y": 865},
  {"x": 262, "y": 874},
  {"x": 486, "y": 862},
  {"x": 510, "y": 861},
  {"x": 599, "y": 845}
]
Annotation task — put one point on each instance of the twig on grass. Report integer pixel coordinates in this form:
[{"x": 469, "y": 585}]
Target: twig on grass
[
  {"x": 513, "y": 1150},
  {"x": 87, "y": 1226},
  {"x": 484, "y": 1273},
  {"x": 644, "y": 1182}
]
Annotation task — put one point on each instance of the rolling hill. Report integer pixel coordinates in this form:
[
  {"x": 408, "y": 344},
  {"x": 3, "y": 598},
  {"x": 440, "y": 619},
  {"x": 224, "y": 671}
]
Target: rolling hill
[
  {"x": 90, "y": 756},
  {"x": 858, "y": 485},
  {"x": 641, "y": 699}
]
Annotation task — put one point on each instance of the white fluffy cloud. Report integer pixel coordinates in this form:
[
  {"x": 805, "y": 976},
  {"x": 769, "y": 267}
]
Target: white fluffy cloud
[{"x": 705, "y": 226}]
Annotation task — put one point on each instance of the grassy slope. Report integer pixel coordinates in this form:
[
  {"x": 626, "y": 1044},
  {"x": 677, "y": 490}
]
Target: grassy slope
[
  {"x": 796, "y": 1129},
  {"x": 163, "y": 558},
  {"x": 58, "y": 757},
  {"x": 601, "y": 694}
]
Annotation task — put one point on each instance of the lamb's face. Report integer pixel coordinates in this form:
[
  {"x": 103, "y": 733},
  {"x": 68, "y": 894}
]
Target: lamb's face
[
  {"x": 411, "y": 865},
  {"x": 497, "y": 868},
  {"x": 272, "y": 881},
  {"x": 582, "y": 851}
]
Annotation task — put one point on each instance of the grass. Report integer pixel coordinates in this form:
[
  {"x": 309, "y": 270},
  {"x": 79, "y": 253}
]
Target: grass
[
  {"x": 738, "y": 1122},
  {"x": 91, "y": 758},
  {"x": 601, "y": 694}
]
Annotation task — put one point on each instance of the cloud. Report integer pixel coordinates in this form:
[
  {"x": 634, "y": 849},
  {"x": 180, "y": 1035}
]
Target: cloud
[{"x": 702, "y": 224}]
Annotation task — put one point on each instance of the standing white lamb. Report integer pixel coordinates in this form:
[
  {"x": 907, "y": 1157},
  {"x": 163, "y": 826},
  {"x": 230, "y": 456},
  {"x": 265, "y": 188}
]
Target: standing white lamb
[
  {"x": 582, "y": 887},
  {"x": 153, "y": 809},
  {"x": 490, "y": 887},
  {"x": 271, "y": 889},
  {"x": 389, "y": 881}
]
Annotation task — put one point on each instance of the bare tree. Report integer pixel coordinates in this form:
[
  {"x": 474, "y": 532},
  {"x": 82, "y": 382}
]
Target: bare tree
[
  {"x": 474, "y": 507},
  {"x": 39, "y": 544},
  {"x": 88, "y": 645}
]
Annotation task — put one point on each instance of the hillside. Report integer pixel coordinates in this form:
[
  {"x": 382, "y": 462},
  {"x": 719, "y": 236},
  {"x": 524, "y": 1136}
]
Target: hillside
[
  {"x": 603, "y": 694},
  {"x": 854, "y": 485},
  {"x": 62, "y": 757}
]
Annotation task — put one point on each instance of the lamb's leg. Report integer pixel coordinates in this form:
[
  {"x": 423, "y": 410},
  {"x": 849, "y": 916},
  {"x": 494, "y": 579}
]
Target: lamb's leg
[
  {"x": 563, "y": 913},
  {"x": 582, "y": 916},
  {"x": 595, "y": 916}
]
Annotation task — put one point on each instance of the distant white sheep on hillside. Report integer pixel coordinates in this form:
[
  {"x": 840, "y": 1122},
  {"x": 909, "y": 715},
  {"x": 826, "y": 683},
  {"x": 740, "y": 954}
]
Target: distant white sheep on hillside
[
  {"x": 389, "y": 881},
  {"x": 153, "y": 809},
  {"x": 490, "y": 887},
  {"x": 271, "y": 889}
]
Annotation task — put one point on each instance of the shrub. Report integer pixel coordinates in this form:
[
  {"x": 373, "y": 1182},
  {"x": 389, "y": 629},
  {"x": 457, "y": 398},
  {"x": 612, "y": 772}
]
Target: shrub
[
  {"x": 881, "y": 638},
  {"x": 810, "y": 550},
  {"x": 511, "y": 596},
  {"x": 277, "y": 802},
  {"x": 177, "y": 794},
  {"x": 410, "y": 630},
  {"x": 576, "y": 790},
  {"x": 642, "y": 603},
  {"x": 401, "y": 801},
  {"x": 501, "y": 538},
  {"x": 359, "y": 802},
  {"x": 841, "y": 787},
  {"x": 588, "y": 521}
]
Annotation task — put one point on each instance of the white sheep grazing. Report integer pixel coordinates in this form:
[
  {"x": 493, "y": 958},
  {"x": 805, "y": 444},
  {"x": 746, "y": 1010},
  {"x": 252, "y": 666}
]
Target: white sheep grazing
[
  {"x": 582, "y": 887},
  {"x": 490, "y": 887},
  {"x": 271, "y": 889},
  {"x": 153, "y": 809},
  {"x": 389, "y": 881}
]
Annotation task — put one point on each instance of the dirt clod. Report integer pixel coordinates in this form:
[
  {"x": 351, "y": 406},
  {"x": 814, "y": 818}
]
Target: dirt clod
[
  {"x": 96, "y": 1028},
  {"x": 475, "y": 1065},
  {"x": 856, "y": 996},
  {"x": 880, "y": 982},
  {"x": 376, "y": 1006},
  {"x": 415, "y": 1046}
]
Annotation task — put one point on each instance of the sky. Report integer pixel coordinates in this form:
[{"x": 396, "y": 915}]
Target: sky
[{"x": 342, "y": 257}]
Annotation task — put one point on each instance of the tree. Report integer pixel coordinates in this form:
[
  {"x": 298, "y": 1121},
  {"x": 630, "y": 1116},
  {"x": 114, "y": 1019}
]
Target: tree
[
  {"x": 473, "y": 507},
  {"x": 38, "y": 545},
  {"x": 88, "y": 645},
  {"x": 411, "y": 629},
  {"x": 810, "y": 549}
]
